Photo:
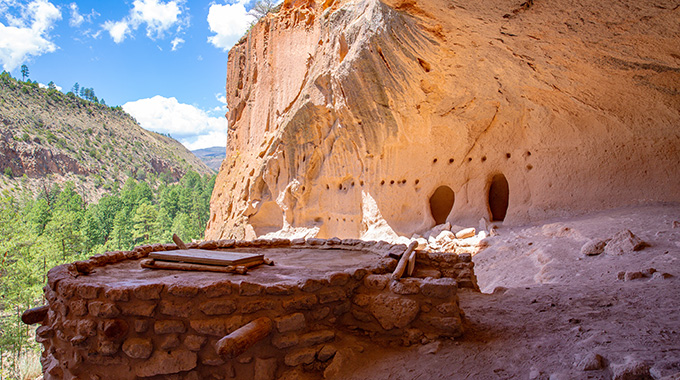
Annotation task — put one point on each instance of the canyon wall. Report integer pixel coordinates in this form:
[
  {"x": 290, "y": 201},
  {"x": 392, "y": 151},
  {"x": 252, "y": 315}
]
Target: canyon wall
[{"x": 377, "y": 119}]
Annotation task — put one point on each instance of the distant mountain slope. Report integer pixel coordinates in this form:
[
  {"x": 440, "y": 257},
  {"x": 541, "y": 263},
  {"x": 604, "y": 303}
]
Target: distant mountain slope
[
  {"x": 212, "y": 157},
  {"x": 45, "y": 133}
]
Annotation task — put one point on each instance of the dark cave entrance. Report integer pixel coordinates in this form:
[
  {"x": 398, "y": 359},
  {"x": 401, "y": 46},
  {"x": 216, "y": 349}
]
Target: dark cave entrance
[
  {"x": 499, "y": 195},
  {"x": 441, "y": 203}
]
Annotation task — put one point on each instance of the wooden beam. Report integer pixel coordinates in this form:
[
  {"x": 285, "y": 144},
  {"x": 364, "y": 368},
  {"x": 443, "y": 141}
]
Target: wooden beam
[
  {"x": 179, "y": 242},
  {"x": 158, "y": 264},
  {"x": 245, "y": 337},
  {"x": 35, "y": 315},
  {"x": 403, "y": 262}
]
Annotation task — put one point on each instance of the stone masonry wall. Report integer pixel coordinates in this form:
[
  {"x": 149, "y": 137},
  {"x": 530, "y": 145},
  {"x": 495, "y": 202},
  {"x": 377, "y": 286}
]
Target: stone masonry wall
[{"x": 154, "y": 330}]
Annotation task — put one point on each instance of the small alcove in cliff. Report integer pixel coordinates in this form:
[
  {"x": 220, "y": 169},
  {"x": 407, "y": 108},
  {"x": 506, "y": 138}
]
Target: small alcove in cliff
[
  {"x": 269, "y": 218},
  {"x": 441, "y": 203},
  {"x": 499, "y": 195}
]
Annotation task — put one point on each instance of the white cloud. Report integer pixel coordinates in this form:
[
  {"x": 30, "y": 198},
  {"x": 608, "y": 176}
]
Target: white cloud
[
  {"x": 118, "y": 30},
  {"x": 77, "y": 18},
  {"x": 158, "y": 16},
  {"x": 176, "y": 42},
  {"x": 229, "y": 22},
  {"x": 207, "y": 141},
  {"x": 222, "y": 98},
  {"x": 28, "y": 34},
  {"x": 191, "y": 126}
]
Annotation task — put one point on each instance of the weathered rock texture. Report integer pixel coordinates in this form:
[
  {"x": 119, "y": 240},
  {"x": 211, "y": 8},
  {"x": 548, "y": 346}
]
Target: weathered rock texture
[{"x": 346, "y": 117}]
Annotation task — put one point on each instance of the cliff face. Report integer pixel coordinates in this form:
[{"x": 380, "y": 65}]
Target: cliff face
[{"x": 367, "y": 118}]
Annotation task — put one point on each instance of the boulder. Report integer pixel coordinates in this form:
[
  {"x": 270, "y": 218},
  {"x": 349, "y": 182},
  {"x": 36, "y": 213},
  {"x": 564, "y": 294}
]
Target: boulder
[
  {"x": 593, "y": 247},
  {"x": 624, "y": 242}
]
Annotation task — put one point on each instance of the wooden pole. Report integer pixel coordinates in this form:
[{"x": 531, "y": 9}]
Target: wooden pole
[
  {"x": 158, "y": 264},
  {"x": 35, "y": 315},
  {"x": 403, "y": 262},
  {"x": 179, "y": 242},
  {"x": 245, "y": 337}
]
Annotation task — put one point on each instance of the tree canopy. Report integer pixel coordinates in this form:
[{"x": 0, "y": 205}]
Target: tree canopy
[{"x": 57, "y": 226}]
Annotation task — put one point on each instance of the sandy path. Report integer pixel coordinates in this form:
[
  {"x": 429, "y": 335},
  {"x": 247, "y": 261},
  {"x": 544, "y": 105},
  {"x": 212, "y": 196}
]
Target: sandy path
[{"x": 559, "y": 306}]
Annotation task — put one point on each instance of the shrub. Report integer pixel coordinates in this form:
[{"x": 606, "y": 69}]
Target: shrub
[
  {"x": 94, "y": 153},
  {"x": 8, "y": 172}
]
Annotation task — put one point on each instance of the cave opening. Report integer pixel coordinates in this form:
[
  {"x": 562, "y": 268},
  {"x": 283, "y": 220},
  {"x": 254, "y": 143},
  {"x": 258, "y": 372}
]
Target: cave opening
[
  {"x": 499, "y": 195},
  {"x": 441, "y": 203}
]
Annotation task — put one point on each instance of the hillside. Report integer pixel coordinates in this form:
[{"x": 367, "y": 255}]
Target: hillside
[
  {"x": 212, "y": 157},
  {"x": 46, "y": 133}
]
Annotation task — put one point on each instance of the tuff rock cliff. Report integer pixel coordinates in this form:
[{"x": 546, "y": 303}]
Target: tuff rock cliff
[{"x": 367, "y": 118}]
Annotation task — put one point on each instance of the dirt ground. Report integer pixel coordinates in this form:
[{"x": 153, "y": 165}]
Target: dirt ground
[{"x": 549, "y": 312}]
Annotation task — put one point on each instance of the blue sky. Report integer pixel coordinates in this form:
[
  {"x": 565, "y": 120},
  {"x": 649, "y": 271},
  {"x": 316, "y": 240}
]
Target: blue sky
[{"x": 165, "y": 62}]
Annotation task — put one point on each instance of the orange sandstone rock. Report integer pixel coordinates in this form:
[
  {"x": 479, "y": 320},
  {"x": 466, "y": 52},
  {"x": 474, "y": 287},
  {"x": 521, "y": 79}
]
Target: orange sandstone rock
[{"x": 363, "y": 119}]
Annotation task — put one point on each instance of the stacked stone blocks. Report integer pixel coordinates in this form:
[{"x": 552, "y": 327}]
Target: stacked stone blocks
[{"x": 156, "y": 330}]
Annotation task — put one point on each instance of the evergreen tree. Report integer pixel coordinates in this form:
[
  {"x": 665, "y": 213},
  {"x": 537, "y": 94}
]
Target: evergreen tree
[
  {"x": 181, "y": 225},
  {"x": 106, "y": 211},
  {"x": 121, "y": 235},
  {"x": 63, "y": 234},
  {"x": 68, "y": 199},
  {"x": 24, "y": 72},
  {"x": 142, "y": 193},
  {"x": 144, "y": 224},
  {"x": 163, "y": 226},
  {"x": 170, "y": 201},
  {"x": 92, "y": 229},
  {"x": 57, "y": 226},
  {"x": 39, "y": 215}
]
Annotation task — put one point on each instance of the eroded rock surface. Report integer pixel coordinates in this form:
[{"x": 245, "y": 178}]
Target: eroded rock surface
[{"x": 368, "y": 118}]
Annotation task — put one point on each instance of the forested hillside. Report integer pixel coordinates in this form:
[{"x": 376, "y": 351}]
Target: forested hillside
[
  {"x": 38, "y": 232},
  {"x": 47, "y": 136}
]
